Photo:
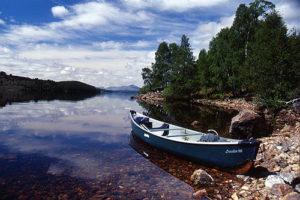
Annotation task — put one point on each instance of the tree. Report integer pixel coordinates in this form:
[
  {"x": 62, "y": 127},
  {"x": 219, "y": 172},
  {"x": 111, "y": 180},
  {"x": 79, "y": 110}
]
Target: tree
[
  {"x": 268, "y": 60},
  {"x": 161, "y": 66},
  {"x": 203, "y": 77},
  {"x": 147, "y": 76},
  {"x": 294, "y": 64},
  {"x": 184, "y": 67},
  {"x": 225, "y": 66}
]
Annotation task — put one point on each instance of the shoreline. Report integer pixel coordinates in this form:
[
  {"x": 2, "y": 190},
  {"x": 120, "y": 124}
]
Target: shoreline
[{"x": 277, "y": 175}]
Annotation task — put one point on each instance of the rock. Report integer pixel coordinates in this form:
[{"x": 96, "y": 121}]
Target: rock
[
  {"x": 283, "y": 112},
  {"x": 201, "y": 177},
  {"x": 292, "y": 196},
  {"x": 281, "y": 189},
  {"x": 249, "y": 124},
  {"x": 234, "y": 196},
  {"x": 245, "y": 187},
  {"x": 287, "y": 177},
  {"x": 200, "y": 194},
  {"x": 63, "y": 197},
  {"x": 296, "y": 107},
  {"x": 297, "y": 188},
  {"x": 273, "y": 179},
  {"x": 195, "y": 123}
]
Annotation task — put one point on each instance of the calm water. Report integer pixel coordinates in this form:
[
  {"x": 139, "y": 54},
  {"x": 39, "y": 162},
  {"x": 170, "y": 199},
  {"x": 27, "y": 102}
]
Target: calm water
[{"x": 85, "y": 150}]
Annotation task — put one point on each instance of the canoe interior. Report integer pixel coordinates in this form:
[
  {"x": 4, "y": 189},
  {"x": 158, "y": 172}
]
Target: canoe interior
[{"x": 177, "y": 133}]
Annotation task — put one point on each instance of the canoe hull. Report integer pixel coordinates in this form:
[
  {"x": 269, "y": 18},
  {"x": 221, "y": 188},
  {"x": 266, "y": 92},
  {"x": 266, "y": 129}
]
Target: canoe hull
[{"x": 220, "y": 155}]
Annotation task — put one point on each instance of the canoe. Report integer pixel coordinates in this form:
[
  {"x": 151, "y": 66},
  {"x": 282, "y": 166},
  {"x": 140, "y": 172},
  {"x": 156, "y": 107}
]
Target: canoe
[{"x": 204, "y": 148}]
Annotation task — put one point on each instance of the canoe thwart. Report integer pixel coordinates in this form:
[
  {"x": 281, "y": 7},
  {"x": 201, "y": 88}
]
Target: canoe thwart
[{"x": 182, "y": 135}]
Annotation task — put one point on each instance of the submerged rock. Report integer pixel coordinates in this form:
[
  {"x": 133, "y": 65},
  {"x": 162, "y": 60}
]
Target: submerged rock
[
  {"x": 200, "y": 194},
  {"x": 201, "y": 177},
  {"x": 249, "y": 124}
]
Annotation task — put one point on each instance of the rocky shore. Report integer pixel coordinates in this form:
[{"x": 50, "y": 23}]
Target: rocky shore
[
  {"x": 277, "y": 174},
  {"x": 154, "y": 98}
]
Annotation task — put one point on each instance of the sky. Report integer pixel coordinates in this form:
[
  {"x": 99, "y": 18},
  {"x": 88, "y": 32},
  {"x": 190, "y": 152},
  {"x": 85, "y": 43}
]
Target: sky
[{"x": 107, "y": 43}]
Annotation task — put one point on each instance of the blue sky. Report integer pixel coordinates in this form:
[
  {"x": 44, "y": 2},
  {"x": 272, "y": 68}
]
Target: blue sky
[{"x": 107, "y": 43}]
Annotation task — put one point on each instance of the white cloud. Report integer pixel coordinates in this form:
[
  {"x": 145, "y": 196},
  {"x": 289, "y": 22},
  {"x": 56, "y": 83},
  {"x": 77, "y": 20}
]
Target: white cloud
[
  {"x": 290, "y": 13},
  {"x": 2, "y": 22},
  {"x": 21, "y": 35},
  {"x": 59, "y": 11},
  {"x": 103, "y": 68},
  {"x": 91, "y": 14},
  {"x": 172, "y": 5},
  {"x": 121, "y": 45},
  {"x": 113, "y": 41},
  {"x": 108, "y": 45},
  {"x": 206, "y": 31}
]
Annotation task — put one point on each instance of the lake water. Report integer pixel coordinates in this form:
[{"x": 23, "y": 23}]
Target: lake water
[{"x": 85, "y": 150}]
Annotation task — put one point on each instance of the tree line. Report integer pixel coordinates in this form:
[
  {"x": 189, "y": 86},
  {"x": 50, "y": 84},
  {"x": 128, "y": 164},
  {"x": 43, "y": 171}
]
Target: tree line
[{"x": 256, "y": 56}]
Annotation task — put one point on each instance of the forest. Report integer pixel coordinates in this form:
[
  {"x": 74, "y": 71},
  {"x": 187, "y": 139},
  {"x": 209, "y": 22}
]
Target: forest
[{"x": 257, "y": 56}]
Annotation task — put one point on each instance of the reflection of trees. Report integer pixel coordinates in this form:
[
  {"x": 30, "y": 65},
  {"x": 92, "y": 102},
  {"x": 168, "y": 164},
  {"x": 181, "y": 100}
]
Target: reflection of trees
[{"x": 184, "y": 114}]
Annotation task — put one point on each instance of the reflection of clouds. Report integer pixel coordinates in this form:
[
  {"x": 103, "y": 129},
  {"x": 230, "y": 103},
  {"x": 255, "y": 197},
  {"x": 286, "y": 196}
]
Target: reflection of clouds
[
  {"x": 86, "y": 139},
  {"x": 81, "y": 135},
  {"x": 102, "y": 111},
  {"x": 56, "y": 169}
]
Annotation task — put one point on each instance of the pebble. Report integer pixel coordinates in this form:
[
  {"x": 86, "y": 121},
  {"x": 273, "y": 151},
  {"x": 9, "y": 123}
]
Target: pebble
[
  {"x": 234, "y": 196},
  {"x": 200, "y": 194},
  {"x": 245, "y": 187},
  {"x": 201, "y": 177}
]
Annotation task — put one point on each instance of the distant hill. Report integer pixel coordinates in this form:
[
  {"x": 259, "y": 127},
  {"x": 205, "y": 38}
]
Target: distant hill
[
  {"x": 19, "y": 89},
  {"x": 129, "y": 88}
]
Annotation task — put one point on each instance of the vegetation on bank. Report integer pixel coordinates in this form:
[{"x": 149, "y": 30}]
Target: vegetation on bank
[
  {"x": 256, "y": 56},
  {"x": 17, "y": 89},
  {"x": 17, "y": 83}
]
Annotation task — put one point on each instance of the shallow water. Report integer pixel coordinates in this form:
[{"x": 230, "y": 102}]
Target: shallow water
[{"x": 85, "y": 150}]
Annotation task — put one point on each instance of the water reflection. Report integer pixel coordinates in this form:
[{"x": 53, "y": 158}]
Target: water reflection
[
  {"x": 77, "y": 150},
  {"x": 80, "y": 150},
  {"x": 184, "y": 114},
  {"x": 12, "y": 97}
]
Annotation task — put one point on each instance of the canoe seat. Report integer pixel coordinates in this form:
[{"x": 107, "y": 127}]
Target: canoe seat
[
  {"x": 143, "y": 120},
  {"x": 163, "y": 126},
  {"x": 209, "y": 138}
]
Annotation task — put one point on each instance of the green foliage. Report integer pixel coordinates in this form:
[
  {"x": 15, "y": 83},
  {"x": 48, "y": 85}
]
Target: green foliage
[
  {"x": 255, "y": 55},
  {"x": 147, "y": 76},
  {"x": 144, "y": 89},
  {"x": 174, "y": 66}
]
